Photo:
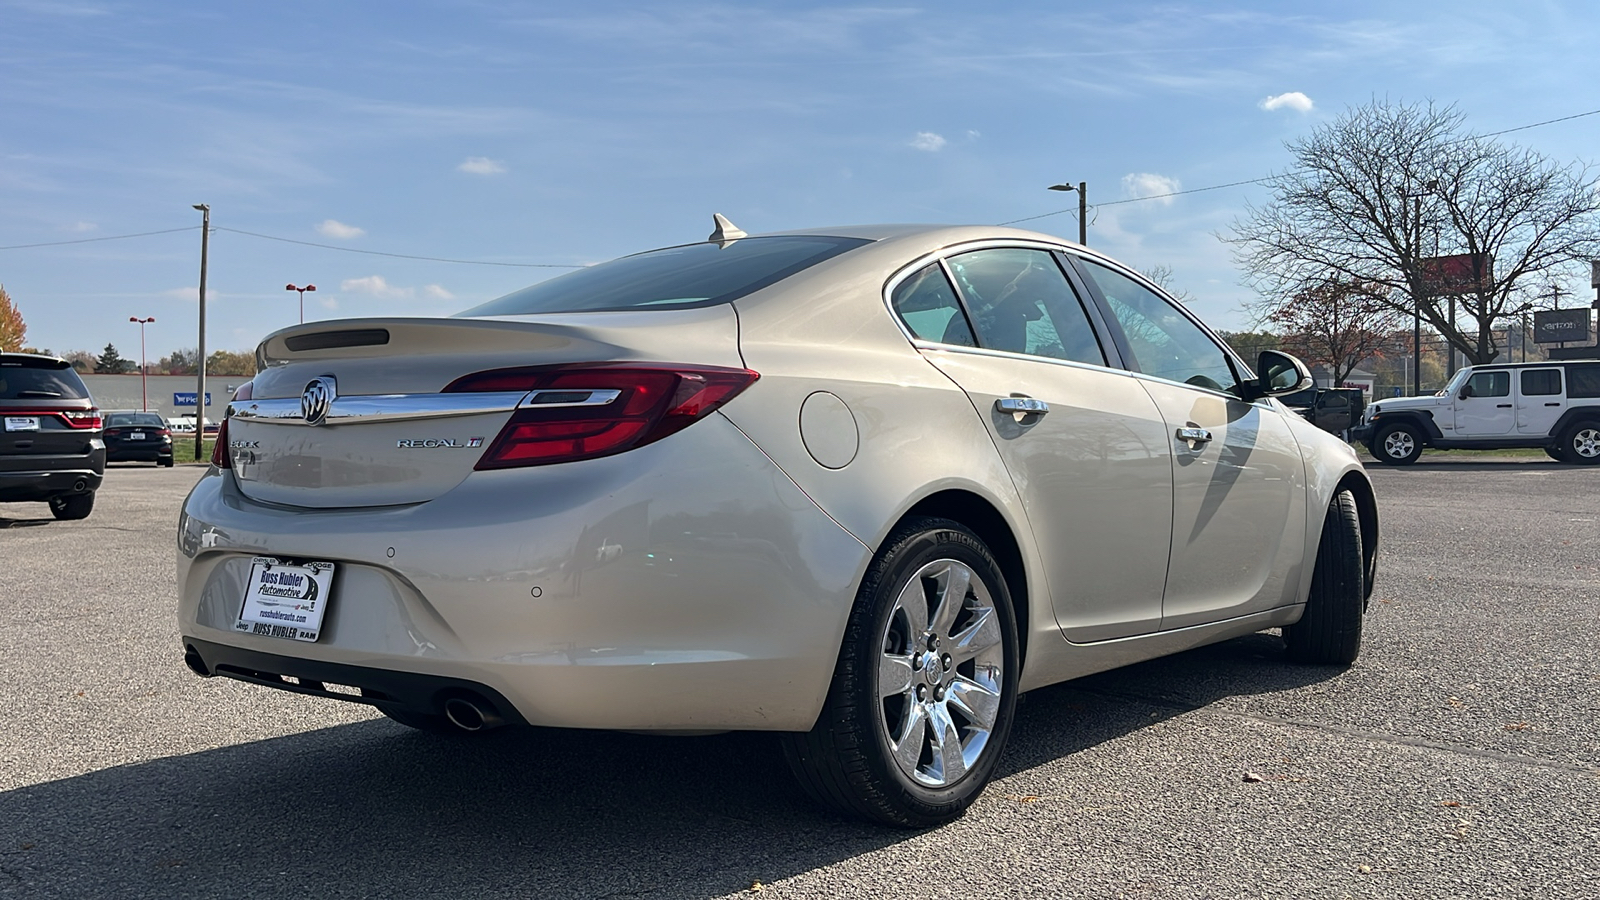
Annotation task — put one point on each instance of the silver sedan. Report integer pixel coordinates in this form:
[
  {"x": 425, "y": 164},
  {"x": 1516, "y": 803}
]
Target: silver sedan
[{"x": 861, "y": 486}]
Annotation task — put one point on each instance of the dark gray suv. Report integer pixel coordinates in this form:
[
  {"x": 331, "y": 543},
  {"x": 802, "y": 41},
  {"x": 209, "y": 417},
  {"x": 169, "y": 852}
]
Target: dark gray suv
[{"x": 51, "y": 447}]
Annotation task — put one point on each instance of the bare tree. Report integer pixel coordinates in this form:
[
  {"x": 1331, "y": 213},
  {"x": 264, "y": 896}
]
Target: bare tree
[
  {"x": 1336, "y": 323},
  {"x": 13, "y": 331},
  {"x": 1161, "y": 274},
  {"x": 1389, "y": 185}
]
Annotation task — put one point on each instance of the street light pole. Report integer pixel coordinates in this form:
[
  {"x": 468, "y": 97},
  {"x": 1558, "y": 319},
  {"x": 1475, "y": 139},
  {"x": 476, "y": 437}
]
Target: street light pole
[
  {"x": 1418, "y": 283},
  {"x": 1082, "y": 188},
  {"x": 144, "y": 368},
  {"x": 302, "y": 290},
  {"x": 200, "y": 392}
]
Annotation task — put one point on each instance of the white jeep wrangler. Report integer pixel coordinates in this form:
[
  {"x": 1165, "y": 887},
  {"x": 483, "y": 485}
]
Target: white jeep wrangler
[{"x": 1551, "y": 405}]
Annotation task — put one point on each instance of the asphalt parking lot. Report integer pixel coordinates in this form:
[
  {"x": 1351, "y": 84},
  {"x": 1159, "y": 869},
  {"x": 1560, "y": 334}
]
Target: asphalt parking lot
[{"x": 1460, "y": 757}]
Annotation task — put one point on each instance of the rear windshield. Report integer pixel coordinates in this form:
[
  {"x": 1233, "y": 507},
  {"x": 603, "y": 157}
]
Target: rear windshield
[
  {"x": 143, "y": 420},
  {"x": 29, "y": 380},
  {"x": 674, "y": 278}
]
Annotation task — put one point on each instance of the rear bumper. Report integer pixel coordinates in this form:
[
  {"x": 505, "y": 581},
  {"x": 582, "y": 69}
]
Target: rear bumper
[
  {"x": 685, "y": 585},
  {"x": 384, "y": 688},
  {"x": 38, "y": 486},
  {"x": 136, "y": 453}
]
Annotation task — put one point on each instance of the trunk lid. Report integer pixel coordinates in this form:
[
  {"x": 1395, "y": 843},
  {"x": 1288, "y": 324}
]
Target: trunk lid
[{"x": 387, "y": 435}]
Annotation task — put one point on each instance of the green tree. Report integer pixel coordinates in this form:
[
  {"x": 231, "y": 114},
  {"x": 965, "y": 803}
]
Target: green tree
[
  {"x": 179, "y": 362},
  {"x": 13, "y": 331},
  {"x": 228, "y": 362},
  {"x": 1249, "y": 344},
  {"x": 111, "y": 362}
]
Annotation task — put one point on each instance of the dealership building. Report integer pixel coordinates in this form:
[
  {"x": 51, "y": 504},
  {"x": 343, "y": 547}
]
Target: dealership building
[{"x": 169, "y": 395}]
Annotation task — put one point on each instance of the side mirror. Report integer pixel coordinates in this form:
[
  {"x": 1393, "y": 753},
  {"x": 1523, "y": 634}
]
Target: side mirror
[
  {"x": 1277, "y": 374},
  {"x": 1466, "y": 390}
]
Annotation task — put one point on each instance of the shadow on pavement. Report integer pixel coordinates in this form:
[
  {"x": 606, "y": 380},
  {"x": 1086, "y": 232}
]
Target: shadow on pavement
[{"x": 373, "y": 809}]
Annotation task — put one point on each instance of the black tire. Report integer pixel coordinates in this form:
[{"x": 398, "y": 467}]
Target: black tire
[
  {"x": 167, "y": 463},
  {"x": 1329, "y": 632},
  {"x": 1580, "y": 443},
  {"x": 846, "y": 760},
  {"x": 1556, "y": 454},
  {"x": 1396, "y": 444},
  {"x": 72, "y": 506}
]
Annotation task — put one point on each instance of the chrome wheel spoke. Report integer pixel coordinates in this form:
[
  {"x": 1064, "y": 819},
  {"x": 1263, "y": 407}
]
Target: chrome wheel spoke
[
  {"x": 894, "y": 675},
  {"x": 915, "y": 736},
  {"x": 952, "y": 597},
  {"x": 980, "y": 635},
  {"x": 978, "y": 703},
  {"x": 913, "y": 601},
  {"x": 947, "y": 751}
]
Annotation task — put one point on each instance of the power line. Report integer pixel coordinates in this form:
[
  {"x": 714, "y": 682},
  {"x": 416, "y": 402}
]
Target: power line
[
  {"x": 466, "y": 262},
  {"x": 1218, "y": 187},
  {"x": 112, "y": 237}
]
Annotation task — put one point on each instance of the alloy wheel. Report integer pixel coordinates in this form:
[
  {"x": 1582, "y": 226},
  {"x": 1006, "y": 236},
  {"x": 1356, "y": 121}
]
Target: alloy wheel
[
  {"x": 1586, "y": 443},
  {"x": 1399, "y": 444},
  {"x": 940, "y": 673}
]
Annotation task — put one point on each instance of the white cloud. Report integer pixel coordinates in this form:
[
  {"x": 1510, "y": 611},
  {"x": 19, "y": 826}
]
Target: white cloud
[
  {"x": 1293, "y": 100},
  {"x": 335, "y": 229},
  {"x": 928, "y": 141},
  {"x": 376, "y": 286},
  {"x": 437, "y": 292},
  {"x": 973, "y": 135},
  {"x": 481, "y": 165},
  {"x": 1148, "y": 184},
  {"x": 82, "y": 227}
]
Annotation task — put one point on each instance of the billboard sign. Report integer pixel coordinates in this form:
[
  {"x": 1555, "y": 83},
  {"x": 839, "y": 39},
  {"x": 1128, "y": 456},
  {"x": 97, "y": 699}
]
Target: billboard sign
[
  {"x": 1561, "y": 326},
  {"x": 1462, "y": 273},
  {"x": 186, "y": 398}
]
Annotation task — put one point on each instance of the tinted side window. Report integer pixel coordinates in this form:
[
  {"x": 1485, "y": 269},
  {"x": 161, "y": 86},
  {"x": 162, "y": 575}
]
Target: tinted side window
[
  {"x": 1022, "y": 302},
  {"x": 1165, "y": 343},
  {"x": 1489, "y": 384},
  {"x": 29, "y": 382},
  {"x": 928, "y": 306},
  {"x": 1541, "y": 382},
  {"x": 1583, "y": 381}
]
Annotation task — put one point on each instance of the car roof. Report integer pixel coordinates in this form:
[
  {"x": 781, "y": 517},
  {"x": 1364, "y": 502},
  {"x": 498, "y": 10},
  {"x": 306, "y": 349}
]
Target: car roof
[{"x": 54, "y": 362}]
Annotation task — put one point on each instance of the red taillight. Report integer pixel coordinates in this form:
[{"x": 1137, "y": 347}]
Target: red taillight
[
  {"x": 219, "y": 450},
  {"x": 81, "y": 418},
  {"x": 578, "y": 412}
]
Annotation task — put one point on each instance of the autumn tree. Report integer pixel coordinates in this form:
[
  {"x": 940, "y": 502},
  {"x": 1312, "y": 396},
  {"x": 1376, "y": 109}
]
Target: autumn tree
[
  {"x": 1335, "y": 323},
  {"x": 1387, "y": 186},
  {"x": 82, "y": 360},
  {"x": 13, "y": 331}
]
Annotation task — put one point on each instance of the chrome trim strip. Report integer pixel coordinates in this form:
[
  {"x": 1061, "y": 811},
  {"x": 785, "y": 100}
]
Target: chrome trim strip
[
  {"x": 558, "y": 398},
  {"x": 353, "y": 410}
]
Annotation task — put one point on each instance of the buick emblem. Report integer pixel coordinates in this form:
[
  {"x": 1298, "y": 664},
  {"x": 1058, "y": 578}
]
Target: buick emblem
[{"x": 318, "y": 396}]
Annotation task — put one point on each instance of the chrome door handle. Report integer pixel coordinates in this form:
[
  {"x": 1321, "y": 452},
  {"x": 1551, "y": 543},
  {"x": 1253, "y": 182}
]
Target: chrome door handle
[
  {"x": 1194, "y": 437},
  {"x": 1026, "y": 406}
]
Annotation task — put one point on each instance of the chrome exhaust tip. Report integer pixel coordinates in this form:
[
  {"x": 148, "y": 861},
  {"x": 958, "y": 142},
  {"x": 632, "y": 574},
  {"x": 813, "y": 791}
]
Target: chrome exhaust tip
[{"x": 471, "y": 714}]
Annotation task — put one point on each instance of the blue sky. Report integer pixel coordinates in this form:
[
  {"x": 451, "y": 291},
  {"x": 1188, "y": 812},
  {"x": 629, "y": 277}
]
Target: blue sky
[{"x": 566, "y": 134}]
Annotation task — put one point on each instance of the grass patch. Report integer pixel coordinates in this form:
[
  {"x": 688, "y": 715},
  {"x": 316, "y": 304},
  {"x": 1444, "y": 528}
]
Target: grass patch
[{"x": 183, "y": 449}]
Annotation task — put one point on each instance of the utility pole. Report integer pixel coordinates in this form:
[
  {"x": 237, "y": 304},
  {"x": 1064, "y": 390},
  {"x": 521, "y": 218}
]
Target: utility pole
[
  {"x": 1082, "y": 188},
  {"x": 200, "y": 392}
]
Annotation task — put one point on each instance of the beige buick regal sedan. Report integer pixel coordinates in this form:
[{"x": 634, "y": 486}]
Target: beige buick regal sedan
[{"x": 861, "y": 486}]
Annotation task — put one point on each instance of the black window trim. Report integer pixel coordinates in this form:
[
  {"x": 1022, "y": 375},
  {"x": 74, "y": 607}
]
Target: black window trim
[{"x": 1112, "y": 352}]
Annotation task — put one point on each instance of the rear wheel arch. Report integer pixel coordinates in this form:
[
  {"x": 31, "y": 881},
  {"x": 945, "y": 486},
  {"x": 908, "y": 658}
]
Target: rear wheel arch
[{"x": 996, "y": 532}]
